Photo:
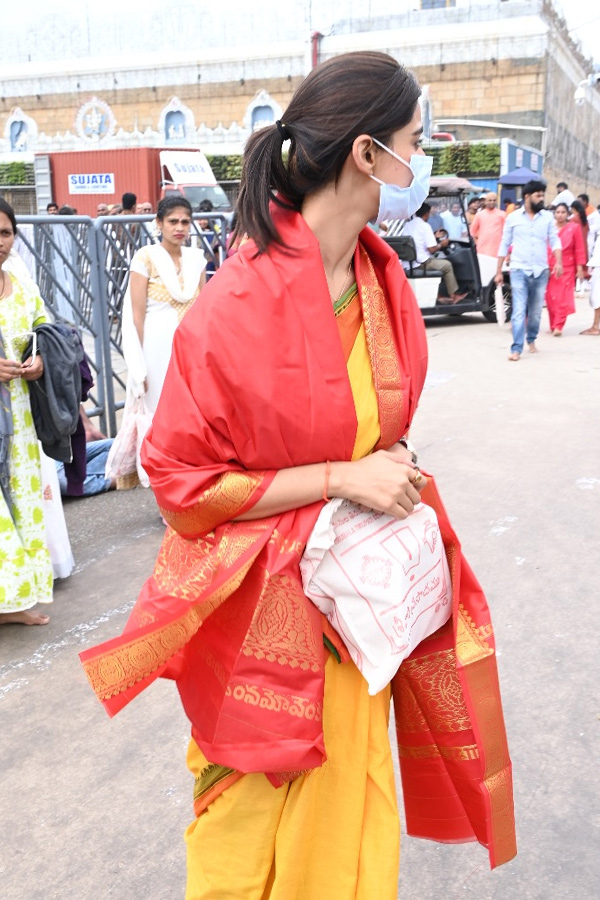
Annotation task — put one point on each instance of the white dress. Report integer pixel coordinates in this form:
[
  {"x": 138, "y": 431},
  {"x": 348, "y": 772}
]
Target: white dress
[
  {"x": 594, "y": 265},
  {"x": 170, "y": 295}
]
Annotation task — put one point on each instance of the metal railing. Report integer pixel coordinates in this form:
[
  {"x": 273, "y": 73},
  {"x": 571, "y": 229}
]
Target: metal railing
[{"x": 82, "y": 268}]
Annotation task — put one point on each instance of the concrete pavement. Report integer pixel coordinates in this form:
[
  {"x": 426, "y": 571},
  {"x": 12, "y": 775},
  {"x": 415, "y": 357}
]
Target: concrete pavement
[{"x": 94, "y": 808}]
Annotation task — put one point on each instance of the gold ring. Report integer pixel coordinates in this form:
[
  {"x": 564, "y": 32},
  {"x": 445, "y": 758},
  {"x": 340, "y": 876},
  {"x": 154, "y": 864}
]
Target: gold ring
[{"x": 418, "y": 478}]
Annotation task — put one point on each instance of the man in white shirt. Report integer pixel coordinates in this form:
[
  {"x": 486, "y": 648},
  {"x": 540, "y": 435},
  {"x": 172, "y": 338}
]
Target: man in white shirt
[
  {"x": 426, "y": 245},
  {"x": 454, "y": 222},
  {"x": 564, "y": 195}
]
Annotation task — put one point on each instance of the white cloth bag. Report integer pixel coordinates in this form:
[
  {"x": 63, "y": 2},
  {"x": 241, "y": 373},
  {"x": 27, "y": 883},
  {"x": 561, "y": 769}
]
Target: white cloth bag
[
  {"x": 384, "y": 584},
  {"x": 57, "y": 536}
]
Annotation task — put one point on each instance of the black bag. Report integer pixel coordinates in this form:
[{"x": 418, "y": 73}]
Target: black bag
[{"x": 55, "y": 397}]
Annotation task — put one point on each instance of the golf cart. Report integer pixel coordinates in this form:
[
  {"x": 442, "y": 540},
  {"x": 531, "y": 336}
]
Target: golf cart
[{"x": 474, "y": 272}]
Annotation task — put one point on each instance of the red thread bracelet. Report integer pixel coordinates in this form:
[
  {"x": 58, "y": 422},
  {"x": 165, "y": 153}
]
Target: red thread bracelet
[{"x": 326, "y": 488}]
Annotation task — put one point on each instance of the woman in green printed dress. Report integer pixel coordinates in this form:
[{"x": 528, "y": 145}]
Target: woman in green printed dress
[{"x": 25, "y": 567}]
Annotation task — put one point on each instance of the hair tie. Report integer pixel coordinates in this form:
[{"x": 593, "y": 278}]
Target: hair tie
[{"x": 285, "y": 135}]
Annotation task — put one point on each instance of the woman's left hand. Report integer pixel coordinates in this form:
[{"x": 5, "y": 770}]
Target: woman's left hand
[
  {"x": 31, "y": 372},
  {"x": 9, "y": 369}
]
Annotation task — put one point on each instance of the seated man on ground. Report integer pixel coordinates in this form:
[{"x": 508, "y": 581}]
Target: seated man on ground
[
  {"x": 426, "y": 245},
  {"x": 84, "y": 475}
]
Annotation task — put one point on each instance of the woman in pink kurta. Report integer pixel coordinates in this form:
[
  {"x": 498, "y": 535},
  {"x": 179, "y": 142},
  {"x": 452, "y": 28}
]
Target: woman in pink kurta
[{"x": 560, "y": 293}]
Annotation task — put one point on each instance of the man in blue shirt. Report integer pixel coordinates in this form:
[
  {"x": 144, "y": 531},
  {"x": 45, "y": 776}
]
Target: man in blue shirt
[{"x": 528, "y": 234}]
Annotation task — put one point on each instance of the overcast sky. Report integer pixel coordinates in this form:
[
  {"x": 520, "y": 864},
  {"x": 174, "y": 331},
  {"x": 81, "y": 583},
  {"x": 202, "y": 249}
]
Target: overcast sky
[
  {"x": 583, "y": 19},
  {"x": 63, "y": 22}
]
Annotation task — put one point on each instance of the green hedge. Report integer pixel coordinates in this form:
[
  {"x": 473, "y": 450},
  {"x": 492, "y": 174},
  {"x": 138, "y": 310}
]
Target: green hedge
[
  {"x": 16, "y": 173},
  {"x": 226, "y": 168},
  {"x": 465, "y": 159}
]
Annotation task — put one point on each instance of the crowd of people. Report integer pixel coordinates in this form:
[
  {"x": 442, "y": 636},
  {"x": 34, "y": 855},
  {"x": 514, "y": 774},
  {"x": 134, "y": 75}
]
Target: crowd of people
[
  {"x": 128, "y": 206},
  {"x": 550, "y": 249}
]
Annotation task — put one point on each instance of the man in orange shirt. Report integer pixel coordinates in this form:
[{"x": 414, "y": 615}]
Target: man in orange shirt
[{"x": 487, "y": 226}]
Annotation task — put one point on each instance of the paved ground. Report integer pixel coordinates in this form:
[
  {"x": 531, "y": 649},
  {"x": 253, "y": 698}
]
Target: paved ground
[{"x": 93, "y": 809}]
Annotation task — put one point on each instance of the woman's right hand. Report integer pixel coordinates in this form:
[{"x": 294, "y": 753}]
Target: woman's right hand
[
  {"x": 9, "y": 369},
  {"x": 384, "y": 481}
]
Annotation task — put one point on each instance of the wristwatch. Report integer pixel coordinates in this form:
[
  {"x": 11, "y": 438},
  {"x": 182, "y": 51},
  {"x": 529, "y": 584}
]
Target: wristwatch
[{"x": 411, "y": 449}]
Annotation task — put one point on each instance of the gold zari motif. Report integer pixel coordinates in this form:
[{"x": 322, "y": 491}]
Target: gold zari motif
[
  {"x": 221, "y": 502},
  {"x": 281, "y": 629},
  {"x": 442, "y": 703},
  {"x": 285, "y": 545},
  {"x": 186, "y": 567}
]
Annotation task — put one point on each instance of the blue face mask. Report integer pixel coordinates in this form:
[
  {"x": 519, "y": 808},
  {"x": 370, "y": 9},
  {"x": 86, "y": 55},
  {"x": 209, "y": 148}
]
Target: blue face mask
[{"x": 402, "y": 202}]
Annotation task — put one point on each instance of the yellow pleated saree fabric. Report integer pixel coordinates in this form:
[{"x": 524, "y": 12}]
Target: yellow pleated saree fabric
[{"x": 332, "y": 833}]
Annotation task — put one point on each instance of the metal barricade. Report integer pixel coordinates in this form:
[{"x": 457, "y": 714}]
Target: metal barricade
[
  {"x": 60, "y": 252},
  {"x": 82, "y": 268}
]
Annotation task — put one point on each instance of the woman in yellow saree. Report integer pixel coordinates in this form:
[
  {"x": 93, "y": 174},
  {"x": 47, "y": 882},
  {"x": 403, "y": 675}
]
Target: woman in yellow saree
[{"x": 271, "y": 406}]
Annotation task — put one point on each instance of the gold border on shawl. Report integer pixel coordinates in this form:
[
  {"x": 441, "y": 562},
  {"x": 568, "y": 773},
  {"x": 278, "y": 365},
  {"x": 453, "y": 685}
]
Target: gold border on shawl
[
  {"x": 221, "y": 502},
  {"x": 211, "y": 775},
  {"x": 382, "y": 351},
  {"x": 121, "y": 668},
  {"x": 433, "y": 751},
  {"x": 484, "y": 690},
  {"x": 471, "y": 643},
  {"x": 477, "y": 660}
]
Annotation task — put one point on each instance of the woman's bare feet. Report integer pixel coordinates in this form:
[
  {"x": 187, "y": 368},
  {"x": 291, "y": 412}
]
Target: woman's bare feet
[
  {"x": 590, "y": 331},
  {"x": 24, "y": 617},
  {"x": 557, "y": 332}
]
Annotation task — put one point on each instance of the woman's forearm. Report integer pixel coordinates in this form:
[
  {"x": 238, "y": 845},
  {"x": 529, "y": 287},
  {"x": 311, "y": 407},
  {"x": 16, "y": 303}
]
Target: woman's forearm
[
  {"x": 138, "y": 287},
  {"x": 383, "y": 480},
  {"x": 291, "y": 489}
]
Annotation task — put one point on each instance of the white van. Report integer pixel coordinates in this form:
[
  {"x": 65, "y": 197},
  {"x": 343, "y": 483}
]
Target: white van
[{"x": 189, "y": 173}]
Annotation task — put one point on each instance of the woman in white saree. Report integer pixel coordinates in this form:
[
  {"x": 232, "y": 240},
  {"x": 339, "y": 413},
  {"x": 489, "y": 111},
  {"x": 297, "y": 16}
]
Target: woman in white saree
[{"x": 164, "y": 281}]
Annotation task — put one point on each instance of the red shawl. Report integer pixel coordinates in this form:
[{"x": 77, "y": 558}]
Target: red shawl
[{"x": 257, "y": 382}]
